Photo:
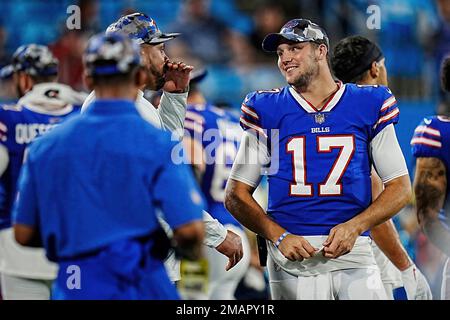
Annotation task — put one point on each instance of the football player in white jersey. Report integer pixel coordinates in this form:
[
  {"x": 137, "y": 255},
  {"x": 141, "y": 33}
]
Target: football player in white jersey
[{"x": 358, "y": 60}]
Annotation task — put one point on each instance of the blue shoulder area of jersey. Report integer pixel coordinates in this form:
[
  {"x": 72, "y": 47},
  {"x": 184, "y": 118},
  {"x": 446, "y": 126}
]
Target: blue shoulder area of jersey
[
  {"x": 376, "y": 93},
  {"x": 258, "y": 105},
  {"x": 427, "y": 138}
]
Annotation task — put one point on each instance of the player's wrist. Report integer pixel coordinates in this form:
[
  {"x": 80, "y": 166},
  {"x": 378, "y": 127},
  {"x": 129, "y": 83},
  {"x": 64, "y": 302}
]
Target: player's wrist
[{"x": 280, "y": 239}]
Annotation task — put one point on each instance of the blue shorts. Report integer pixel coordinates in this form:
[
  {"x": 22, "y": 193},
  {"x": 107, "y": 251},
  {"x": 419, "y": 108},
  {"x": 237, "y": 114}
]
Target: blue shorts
[{"x": 122, "y": 271}]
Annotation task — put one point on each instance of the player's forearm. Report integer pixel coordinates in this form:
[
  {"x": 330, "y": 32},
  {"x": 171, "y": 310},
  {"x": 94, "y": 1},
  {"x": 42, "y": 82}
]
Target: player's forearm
[
  {"x": 395, "y": 196},
  {"x": 430, "y": 186},
  {"x": 387, "y": 239},
  {"x": 172, "y": 111},
  {"x": 241, "y": 204}
]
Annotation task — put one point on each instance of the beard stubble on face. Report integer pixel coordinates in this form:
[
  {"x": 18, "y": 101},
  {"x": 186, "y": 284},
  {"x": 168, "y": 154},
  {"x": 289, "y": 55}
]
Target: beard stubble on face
[
  {"x": 311, "y": 71},
  {"x": 156, "y": 78}
]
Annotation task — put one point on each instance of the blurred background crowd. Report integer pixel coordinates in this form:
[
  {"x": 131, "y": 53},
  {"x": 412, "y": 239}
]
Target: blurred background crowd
[{"x": 225, "y": 37}]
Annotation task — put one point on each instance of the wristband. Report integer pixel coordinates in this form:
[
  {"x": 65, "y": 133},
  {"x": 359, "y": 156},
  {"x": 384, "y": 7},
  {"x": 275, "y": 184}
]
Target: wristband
[{"x": 277, "y": 244}]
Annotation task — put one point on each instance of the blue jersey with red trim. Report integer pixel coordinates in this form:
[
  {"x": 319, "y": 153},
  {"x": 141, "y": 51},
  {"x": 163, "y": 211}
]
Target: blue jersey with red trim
[
  {"x": 320, "y": 164},
  {"x": 19, "y": 126},
  {"x": 432, "y": 139},
  {"x": 219, "y": 133}
]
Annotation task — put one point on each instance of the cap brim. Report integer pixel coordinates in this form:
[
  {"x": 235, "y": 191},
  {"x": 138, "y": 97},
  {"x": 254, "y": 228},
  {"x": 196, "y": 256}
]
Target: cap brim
[
  {"x": 199, "y": 75},
  {"x": 7, "y": 71},
  {"x": 163, "y": 38},
  {"x": 272, "y": 40}
]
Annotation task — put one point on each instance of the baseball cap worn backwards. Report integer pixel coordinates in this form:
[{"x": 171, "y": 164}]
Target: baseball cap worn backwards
[
  {"x": 141, "y": 28},
  {"x": 296, "y": 30},
  {"x": 35, "y": 60},
  {"x": 111, "y": 54}
]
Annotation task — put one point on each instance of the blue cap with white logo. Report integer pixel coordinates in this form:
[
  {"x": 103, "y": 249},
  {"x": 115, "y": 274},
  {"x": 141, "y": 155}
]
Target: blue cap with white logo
[
  {"x": 35, "y": 60},
  {"x": 141, "y": 28},
  {"x": 110, "y": 54},
  {"x": 296, "y": 30}
]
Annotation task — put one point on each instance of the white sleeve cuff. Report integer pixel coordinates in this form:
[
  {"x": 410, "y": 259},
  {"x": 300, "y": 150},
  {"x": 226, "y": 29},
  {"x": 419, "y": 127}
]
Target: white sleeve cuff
[{"x": 215, "y": 232}]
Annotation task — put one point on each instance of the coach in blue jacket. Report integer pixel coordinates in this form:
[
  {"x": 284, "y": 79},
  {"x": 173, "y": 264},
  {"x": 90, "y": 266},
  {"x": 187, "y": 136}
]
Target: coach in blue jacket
[{"x": 89, "y": 190}]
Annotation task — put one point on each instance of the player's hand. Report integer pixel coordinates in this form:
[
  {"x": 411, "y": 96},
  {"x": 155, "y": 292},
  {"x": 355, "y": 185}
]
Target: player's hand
[
  {"x": 340, "y": 241},
  {"x": 296, "y": 248},
  {"x": 176, "y": 76},
  {"x": 415, "y": 284},
  {"x": 232, "y": 248}
]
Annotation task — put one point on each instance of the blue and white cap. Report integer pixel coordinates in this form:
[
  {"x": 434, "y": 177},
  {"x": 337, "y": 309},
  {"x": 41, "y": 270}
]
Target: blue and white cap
[
  {"x": 141, "y": 28},
  {"x": 6, "y": 72},
  {"x": 297, "y": 30},
  {"x": 109, "y": 54},
  {"x": 35, "y": 60}
]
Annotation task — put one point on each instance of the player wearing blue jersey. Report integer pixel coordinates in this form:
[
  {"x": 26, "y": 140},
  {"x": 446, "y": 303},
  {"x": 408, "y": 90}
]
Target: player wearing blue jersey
[
  {"x": 431, "y": 146},
  {"x": 212, "y": 135},
  {"x": 357, "y": 60},
  {"x": 43, "y": 104},
  {"x": 98, "y": 213},
  {"x": 320, "y": 146}
]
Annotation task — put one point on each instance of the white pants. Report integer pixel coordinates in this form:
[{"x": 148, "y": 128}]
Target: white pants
[
  {"x": 223, "y": 284},
  {"x": 16, "y": 288},
  {"x": 347, "y": 284}
]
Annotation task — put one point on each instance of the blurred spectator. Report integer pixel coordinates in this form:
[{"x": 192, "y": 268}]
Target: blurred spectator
[
  {"x": 406, "y": 29},
  {"x": 3, "y": 55},
  {"x": 267, "y": 18},
  {"x": 69, "y": 50},
  {"x": 89, "y": 10},
  {"x": 442, "y": 42},
  {"x": 202, "y": 35}
]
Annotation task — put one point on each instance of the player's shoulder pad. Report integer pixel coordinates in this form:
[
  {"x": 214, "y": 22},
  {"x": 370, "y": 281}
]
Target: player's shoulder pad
[
  {"x": 196, "y": 113},
  {"x": 261, "y": 97},
  {"x": 375, "y": 90}
]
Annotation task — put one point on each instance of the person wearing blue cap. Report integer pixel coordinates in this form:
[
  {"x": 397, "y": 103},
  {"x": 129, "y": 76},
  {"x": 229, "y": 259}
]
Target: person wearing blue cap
[
  {"x": 98, "y": 213},
  {"x": 358, "y": 60},
  {"x": 319, "y": 145},
  {"x": 173, "y": 79},
  {"x": 43, "y": 104},
  {"x": 161, "y": 73}
]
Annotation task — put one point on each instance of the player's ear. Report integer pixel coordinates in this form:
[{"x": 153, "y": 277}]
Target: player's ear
[
  {"x": 140, "y": 77},
  {"x": 25, "y": 82},
  {"x": 323, "y": 51},
  {"x": 88, "y": 81},
  {"x": 374, "y": 70}
]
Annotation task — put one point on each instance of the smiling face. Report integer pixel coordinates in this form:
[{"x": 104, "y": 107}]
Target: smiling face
[
  {"x": 298, "y": 62},
  {"x": 154, "y": 58}
]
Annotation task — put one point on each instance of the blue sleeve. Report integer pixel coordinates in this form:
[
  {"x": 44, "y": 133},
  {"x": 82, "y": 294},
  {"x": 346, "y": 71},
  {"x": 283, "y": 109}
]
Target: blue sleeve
[
  {"x": 4, "y": 124},
  {"x": 176, "y": 193},
  {"x": 25, "y": 210},
  {"x": 388, "y": 113},
  {"x": 427, "y": 140},
  {"x": 250, "y": 118},
  {"x": 194, "y": 125}
]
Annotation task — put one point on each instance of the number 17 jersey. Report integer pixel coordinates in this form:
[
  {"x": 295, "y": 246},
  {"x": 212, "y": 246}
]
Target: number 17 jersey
[{"x": 323, "y": 157}]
